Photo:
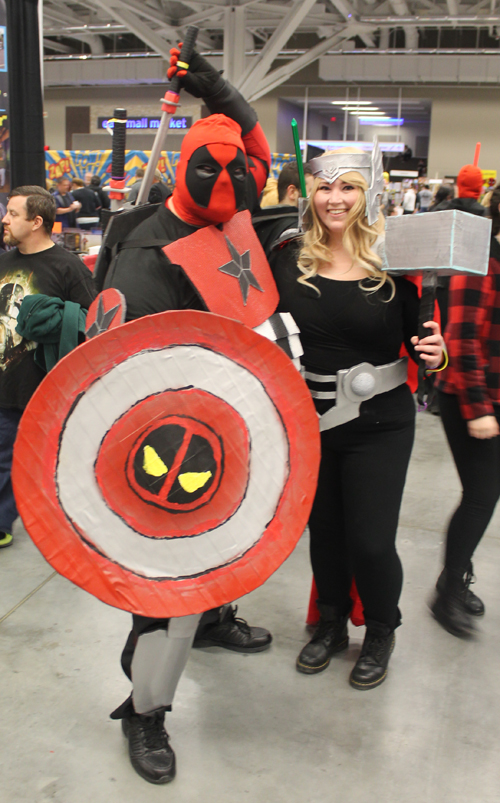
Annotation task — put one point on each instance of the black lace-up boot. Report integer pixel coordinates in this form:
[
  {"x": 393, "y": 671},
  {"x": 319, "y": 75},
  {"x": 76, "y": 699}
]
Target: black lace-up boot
[
  {"x": 448, "y": 606},
  {"x": 150, "y": 753},
  {"x": 232, "y": 633},
  {"x": 329, "y": 637},
  {"x": 472, "y": 604},
  {"x": 370, "y": 669}
]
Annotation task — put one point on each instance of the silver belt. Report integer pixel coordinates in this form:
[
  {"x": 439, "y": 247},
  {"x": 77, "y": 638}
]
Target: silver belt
[{"x": 355, "y": 385}]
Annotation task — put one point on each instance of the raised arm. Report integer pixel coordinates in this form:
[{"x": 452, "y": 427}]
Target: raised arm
[{"x": 204, "y": 81}]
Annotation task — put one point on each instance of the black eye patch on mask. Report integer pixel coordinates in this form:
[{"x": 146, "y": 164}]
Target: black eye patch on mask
[
  {"x": 237, "y": 170},
  {"x": 199, "y": 186},
  {"x": 203, "y": 170}
]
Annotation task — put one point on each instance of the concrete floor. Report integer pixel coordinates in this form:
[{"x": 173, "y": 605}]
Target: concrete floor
[{"x": 250, "y": 728}]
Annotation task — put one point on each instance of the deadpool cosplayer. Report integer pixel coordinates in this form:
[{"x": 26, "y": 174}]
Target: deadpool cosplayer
[{"x": 222, "y": 170}]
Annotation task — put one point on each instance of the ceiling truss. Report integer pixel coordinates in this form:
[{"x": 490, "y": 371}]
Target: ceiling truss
[{"x": 253, "y": 34}]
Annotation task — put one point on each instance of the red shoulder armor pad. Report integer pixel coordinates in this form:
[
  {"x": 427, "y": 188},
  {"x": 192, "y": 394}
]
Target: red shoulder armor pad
[{"x": 229, "y": 270}]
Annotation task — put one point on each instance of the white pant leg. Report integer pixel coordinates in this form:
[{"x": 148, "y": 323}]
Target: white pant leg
[{"x": 158, "y": 662}]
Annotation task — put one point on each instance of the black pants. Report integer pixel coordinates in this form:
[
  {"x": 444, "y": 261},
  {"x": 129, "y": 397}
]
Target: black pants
[
  {"x": 9, "y": 422},
  {"x": 478, "y": 466},
  {"x": 355, "y": 515}
]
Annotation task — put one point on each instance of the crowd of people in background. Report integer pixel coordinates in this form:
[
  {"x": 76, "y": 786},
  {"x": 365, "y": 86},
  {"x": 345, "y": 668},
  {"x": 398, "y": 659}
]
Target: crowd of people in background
[{"x": 82, "y": 201}]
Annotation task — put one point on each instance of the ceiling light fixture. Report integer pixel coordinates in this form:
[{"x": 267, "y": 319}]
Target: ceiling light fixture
[{"x": 390, "y": 121}]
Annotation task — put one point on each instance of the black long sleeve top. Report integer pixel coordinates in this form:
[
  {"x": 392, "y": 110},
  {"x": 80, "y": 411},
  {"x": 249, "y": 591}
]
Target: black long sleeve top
[{"x": 346, "y": 325}]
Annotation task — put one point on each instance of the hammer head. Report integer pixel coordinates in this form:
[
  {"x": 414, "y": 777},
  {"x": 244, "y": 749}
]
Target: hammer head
[{"x": 443, "y": 242}]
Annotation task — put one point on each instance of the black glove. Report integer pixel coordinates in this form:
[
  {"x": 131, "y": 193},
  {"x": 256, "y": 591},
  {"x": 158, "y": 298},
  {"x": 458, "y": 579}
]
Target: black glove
[
  {"x": 201, "y": 80},
  {"x": 204, "y": 81}
]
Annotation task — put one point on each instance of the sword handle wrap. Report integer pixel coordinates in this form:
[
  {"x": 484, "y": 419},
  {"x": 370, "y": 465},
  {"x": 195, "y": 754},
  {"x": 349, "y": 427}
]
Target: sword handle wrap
[
  {"x": 185, "y": 56},
  {"x": 119, "y": 135}
]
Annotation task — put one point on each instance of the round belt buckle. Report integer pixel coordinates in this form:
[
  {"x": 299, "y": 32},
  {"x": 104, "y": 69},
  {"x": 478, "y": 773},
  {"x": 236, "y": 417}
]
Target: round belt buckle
[{"x": 363, "y": 384}]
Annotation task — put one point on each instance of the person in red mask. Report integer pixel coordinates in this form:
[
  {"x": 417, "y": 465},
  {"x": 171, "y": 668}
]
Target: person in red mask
[
  {"x": 469, "y": 189},
  {"x": 222, "y": 170},
  {"x": 212, "y": 172}
]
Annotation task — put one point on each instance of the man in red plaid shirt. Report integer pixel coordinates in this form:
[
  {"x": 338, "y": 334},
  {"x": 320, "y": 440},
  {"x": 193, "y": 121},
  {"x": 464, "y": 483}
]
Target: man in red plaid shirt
[{"x": 469, "y": 401}]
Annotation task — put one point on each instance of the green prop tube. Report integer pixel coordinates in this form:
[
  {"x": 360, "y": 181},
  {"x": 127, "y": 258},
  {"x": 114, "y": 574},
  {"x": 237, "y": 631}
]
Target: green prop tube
[{"x": 298, "y": 156}]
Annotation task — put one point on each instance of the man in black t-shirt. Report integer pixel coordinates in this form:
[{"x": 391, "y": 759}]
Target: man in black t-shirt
[{"x": 36, "y": 265}]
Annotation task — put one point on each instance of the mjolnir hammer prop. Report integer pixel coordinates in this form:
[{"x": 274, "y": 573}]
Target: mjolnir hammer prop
[
  {"x": 436, "y": 244},
  {"x": 433, "y": 245}
]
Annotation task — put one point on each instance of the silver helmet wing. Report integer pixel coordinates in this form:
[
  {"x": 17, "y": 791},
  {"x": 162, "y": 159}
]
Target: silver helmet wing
[{"x": 376, "y": 185}]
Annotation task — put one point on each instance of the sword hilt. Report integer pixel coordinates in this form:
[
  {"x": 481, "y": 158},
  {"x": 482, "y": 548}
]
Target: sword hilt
[
  {"x": 185, "y": 55},
  {"x": 172, "y": 96},
  {"x": 117, "y": 182}
]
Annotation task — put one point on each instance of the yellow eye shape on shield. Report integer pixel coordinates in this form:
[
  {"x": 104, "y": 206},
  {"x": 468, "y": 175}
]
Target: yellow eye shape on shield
[
  {"x": 153, "y": 464},
  {"x": 190, "y": 481}
]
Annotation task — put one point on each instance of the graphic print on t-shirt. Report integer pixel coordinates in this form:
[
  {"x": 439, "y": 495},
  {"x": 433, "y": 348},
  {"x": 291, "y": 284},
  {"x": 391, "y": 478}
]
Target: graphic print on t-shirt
[{"x": 14, "y": 285}]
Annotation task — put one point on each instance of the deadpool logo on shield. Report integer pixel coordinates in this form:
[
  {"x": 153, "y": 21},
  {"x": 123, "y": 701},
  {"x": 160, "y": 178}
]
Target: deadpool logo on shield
[{"x": 176, "y": 464}]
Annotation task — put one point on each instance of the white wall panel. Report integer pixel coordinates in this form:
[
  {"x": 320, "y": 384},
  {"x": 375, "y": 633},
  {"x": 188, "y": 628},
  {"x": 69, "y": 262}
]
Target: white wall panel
[
  {"x": 108, "y": 72},
  {"x": 460, "y": 118},
  {"x": 474, "y": 68},
  {"x": 410, "y": 69},
  {"x": 404, "y": 69},
  {"x": 493, "y": 70}
]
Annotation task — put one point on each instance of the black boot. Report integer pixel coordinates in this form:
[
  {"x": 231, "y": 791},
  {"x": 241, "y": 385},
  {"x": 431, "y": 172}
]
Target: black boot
[
  {"x": 448, "y": 606},
  {"x": 232, "y": 633},
  {"x": 471, "y": 601},
  {"x": 330, "y": 637},
  {"x": 370, "y": 669},
  {"x": 150, "y": 753}
]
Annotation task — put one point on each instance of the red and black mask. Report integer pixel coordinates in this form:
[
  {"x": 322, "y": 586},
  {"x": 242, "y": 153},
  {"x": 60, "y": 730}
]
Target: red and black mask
[{"x": 211, "y": 174}]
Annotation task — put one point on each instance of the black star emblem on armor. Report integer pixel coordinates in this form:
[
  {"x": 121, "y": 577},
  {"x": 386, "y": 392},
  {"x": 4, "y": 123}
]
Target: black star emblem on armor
[
  {"x": 102, "y": 319},
  {"x": 239, "y": 267}
]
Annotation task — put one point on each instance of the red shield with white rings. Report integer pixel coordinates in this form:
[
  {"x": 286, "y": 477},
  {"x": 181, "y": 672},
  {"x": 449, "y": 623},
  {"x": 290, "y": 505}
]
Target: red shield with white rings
[{"x": 169, "y": 465}]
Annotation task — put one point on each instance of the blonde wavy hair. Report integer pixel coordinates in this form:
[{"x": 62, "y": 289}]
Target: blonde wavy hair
[{"x": 358, "y": 237}]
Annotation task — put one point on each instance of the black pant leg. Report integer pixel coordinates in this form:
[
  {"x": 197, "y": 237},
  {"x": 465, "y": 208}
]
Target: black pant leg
[
  {"x": 478, "y": 466},
  {"x": 9, "y": 422},
  {"x": 328, "y": 548},
  {"x": 373, "y": 482}
]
